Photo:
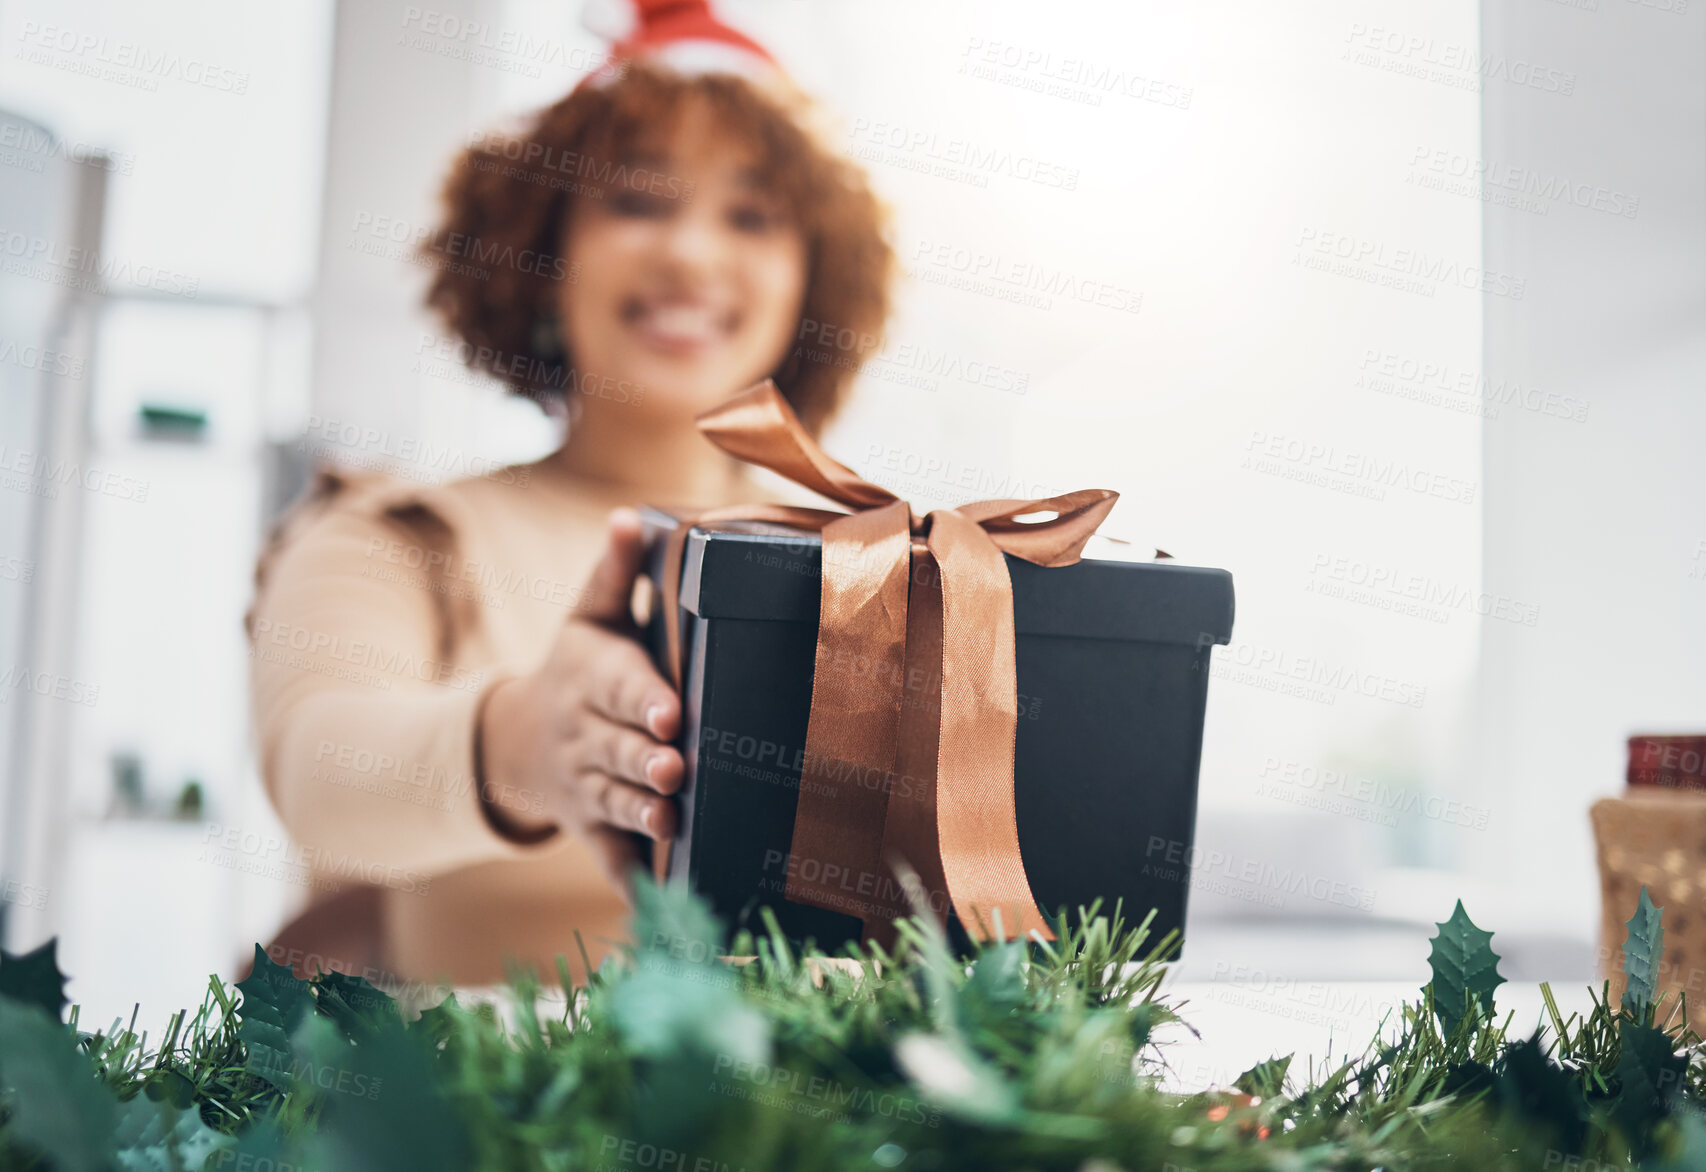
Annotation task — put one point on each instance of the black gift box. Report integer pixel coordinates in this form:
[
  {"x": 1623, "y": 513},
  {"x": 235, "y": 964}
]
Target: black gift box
[{"x": 1113, "y": 666}]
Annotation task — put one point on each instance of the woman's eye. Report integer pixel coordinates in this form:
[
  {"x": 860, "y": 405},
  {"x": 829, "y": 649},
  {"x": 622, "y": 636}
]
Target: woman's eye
[
  {"x": 751, "y": 219},
  {"x": 638, "y": 203}
]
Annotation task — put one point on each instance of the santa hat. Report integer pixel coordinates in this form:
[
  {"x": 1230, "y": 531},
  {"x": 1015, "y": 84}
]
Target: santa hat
[{"x": 682, "y": 35}]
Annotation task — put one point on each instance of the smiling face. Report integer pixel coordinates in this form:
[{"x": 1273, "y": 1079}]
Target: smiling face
[{"x": 691, "y": 291}]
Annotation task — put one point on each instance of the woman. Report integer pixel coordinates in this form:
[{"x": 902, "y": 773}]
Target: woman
[{"x": 453, "y": 721}]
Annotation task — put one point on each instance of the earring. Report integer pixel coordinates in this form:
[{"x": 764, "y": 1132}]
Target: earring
[{"x": 547, "y": 340}]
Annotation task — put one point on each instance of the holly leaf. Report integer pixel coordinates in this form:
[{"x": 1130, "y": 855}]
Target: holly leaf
[
  {"x": 383, "y": 1104},
  {"x": 1143, "y": 1022},
  {"x": 1464, "y": 966},
  {"x": 34, "y": 978},
  {"x": 998, "y": 977},
  {"x": 439, "y": 1022},
  {"x": 56, "y": 1104},
  {"x": 274, "y": 1003},
  {"x": 1643, "y": 948},
  {"x": 1542, "y": 1091},
  {"x": 673, "y": 925},
  {"x": 1468, "y": 1080},
  {"x": 355, "y": 1005},
  {"x": 950, "y": 1074},
  {"x": 1691, "y": 1146},
  {"x": 154, "y": 1137},
  {"x": 1265, "y": 1079},
  {"x": 262, "y": 1145},
  {"x": 661, "y": 1015},
  {"x": 1650, "y": 1073},
  {"x": 169, "y": 1086}
]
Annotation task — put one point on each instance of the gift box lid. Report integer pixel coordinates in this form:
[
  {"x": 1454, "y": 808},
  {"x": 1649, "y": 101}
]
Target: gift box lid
[{"x": 747, "y": 570}]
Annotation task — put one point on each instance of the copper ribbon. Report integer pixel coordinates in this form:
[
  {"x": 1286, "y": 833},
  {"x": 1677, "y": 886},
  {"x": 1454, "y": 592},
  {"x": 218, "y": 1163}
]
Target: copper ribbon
[{"x": 907, "y": 602}]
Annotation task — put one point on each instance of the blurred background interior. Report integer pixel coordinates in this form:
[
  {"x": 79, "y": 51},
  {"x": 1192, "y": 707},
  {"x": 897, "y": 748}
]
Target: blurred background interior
[{"x": 1394, "y": 309}]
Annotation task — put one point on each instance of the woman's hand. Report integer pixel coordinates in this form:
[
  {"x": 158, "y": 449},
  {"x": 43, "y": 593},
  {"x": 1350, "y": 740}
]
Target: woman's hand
[{"x": 586, "y": 736}]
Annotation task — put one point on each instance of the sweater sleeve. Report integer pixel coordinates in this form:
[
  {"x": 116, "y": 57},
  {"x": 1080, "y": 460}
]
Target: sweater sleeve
[{"x": 365, "y": 721}]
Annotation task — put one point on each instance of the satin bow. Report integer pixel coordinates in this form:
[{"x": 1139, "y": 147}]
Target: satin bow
[{"x": 909, "y": 745}]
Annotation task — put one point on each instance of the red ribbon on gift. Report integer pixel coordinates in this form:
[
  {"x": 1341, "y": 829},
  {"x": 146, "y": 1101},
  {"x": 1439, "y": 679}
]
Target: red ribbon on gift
[{"x": 926, "y": 780}]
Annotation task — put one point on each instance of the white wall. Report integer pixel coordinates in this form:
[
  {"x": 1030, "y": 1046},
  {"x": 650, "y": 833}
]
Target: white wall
[
  {"x": 405, "y": 96},
  {"x": 1602, "y": 521},
  {"x": 214, "y": 118}
]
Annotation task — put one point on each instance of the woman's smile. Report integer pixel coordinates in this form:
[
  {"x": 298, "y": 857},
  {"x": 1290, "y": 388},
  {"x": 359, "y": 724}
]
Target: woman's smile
[{"x": 678, "y": 325}]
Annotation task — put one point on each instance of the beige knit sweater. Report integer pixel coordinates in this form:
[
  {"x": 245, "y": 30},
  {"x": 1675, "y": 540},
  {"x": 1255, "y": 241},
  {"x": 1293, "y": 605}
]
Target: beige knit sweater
[{"x": 385, "y": 611}]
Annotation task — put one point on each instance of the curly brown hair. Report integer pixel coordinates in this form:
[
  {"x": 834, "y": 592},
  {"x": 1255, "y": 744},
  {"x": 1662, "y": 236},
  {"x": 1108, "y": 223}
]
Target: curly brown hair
[{"x": 497, "y": 254}]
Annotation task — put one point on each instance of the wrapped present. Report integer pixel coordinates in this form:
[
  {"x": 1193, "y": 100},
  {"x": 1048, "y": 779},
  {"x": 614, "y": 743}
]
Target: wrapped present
[
  {"x": 886, "y": 713},
  {"x": 1655, "y": 837}
]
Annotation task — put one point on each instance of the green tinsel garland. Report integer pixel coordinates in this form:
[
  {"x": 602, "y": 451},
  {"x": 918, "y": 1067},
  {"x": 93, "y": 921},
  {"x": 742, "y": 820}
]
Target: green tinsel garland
[{"x": 1033, "y": 1056}]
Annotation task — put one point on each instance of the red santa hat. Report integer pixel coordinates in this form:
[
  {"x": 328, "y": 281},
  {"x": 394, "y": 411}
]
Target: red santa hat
[{"x": 682, "y": 35}]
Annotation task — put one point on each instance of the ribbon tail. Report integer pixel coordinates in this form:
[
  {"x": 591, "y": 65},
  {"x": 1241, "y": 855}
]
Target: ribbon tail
[
  {"x": 977, "y": 819},
  {"x": 835, "y": 858},
  {"x": 909, "y": 834}
]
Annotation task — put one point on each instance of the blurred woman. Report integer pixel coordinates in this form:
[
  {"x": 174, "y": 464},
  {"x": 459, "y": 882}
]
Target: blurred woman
[{"x": 454, "y": 722}]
